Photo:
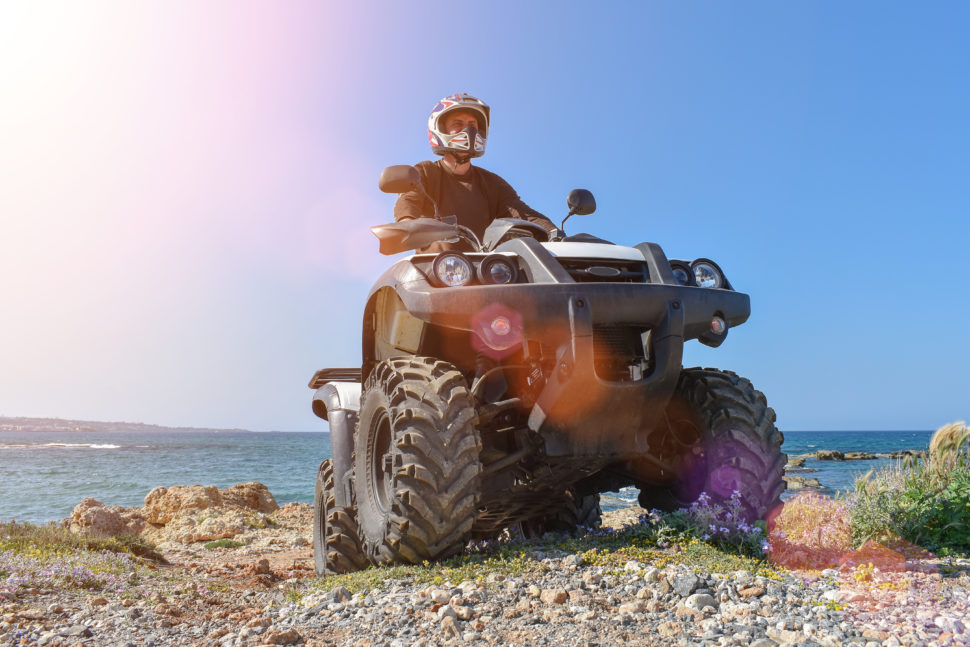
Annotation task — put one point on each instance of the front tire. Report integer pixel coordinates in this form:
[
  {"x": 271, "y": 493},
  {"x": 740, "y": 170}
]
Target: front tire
[
  {"x": 416, "y": 461},
  {"x": 728, "y": 443},
  {"x": 336, "y": 546}
]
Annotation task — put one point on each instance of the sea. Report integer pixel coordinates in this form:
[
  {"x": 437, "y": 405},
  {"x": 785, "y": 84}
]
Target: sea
[{"x": 43, "y": 475}]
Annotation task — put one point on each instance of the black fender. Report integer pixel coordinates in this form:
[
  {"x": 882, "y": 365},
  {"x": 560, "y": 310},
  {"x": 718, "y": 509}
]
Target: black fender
[{"x": 339, "y": 403}]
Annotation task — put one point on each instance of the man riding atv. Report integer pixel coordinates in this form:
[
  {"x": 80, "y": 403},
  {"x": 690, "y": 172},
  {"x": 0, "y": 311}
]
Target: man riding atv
[
  {"x": 457, "y": 130},
  {"x": 503, "y": 387}
]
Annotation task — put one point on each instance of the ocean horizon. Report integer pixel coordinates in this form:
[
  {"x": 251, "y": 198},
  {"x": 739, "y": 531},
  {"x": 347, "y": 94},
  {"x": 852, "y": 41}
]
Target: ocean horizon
[{"x": 47, "y": 473}]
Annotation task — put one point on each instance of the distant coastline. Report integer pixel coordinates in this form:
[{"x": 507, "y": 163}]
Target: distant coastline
[{"x": 23, "y": 424}]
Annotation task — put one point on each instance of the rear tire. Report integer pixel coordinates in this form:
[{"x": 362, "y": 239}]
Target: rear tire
[
  {"x": 729, "y": 443},
  {"x": 416, "y": 461},
  {"x": 336, "y": 546}
]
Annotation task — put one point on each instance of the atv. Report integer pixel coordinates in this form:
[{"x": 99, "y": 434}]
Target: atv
[{"x": 506, "y": 382}]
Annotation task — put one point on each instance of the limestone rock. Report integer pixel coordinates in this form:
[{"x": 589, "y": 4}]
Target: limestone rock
[
  {"x": 252, "y": 495},
  {"x": 829, "y": 455},
  {"x": 554, "y": 596},
  {"x": 92, "y": 516},
  {"x": 802, "y": 483},
  {"x": 163, "y": 504},
  {"x": 859, "y": 456},
  {"x": 282, "y": 637},
  {"x": 698, "y": 601},
  {"x": 184, "y": 514},
  {"x": 685, "y": 583}
]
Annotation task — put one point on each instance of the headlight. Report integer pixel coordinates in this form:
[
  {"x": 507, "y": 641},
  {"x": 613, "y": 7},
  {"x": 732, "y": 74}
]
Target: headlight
[
  {"x": 453, "y": 269},
  {"x": 707, "y": 274},
  {"x": 682, "y": 272},
  {"x": 497, "y": 270}
]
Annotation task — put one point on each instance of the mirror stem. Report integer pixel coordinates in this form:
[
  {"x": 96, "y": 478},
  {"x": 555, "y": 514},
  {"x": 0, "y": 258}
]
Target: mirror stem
[
  {"x": 562, "y": 225},
  {"x": 425, "y": 193}
]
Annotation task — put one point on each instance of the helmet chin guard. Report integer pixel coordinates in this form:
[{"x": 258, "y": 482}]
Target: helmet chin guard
[{"x": 469, "y": 142}]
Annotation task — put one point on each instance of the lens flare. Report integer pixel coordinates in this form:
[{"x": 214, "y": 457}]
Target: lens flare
[{"x": 497, "y": 330}]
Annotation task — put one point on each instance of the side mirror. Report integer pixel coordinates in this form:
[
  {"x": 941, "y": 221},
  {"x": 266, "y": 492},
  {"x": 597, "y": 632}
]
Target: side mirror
[
  {"x": 581, "y": 202},
  {"x": 400, "y": 178}
]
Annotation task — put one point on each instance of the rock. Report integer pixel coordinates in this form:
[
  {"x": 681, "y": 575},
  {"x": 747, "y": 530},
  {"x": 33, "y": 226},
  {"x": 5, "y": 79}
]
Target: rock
[
  {"x": 952, "y": 625},
  {"x": 905, "y": 453},
  {"x": 860, "y": 456},
  {"x": 439, "y": 596},
  {"x": 630, "y": 608},
  {"x": 796, "y": 462},
  {"x": 252, "y": 495},
  {"x": 752, "y": 591},
  {"x": 163, "y": 504},
  {"x": 449, "y": 627},
  {"x": 784, "y": 635},
  {"x": 554, "y": 596},
  {"x": 802, "y": 483},
  {"x": 340, "y": 594},
  {"x": 281, "y": 637},
  {"x": 700, "y": 600},
  {"x": 669, "y": 629},
  {"x": 829, "y": 455},
  {"x": 260, "y": 567},
  {"x": 833, "y": 595},
  {"x": 92, "y": 516},
  {"x": 77, "y": 631},
  {"x": 447, "y": 611},
  {"x": 685, "y": 583},
  {"x": 764, "y": 642}
]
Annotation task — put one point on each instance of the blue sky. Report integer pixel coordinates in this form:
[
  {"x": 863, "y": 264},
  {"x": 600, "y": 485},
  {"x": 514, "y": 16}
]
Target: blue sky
[{"x": 187, "y": 187}]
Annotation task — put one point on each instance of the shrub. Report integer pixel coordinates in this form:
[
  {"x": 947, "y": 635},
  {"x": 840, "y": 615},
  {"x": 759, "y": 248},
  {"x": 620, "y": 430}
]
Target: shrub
[
  {"x": 925, "y": 502},
  {"x": 811, "y": 531},
  {"x": 720, "y": 524}
]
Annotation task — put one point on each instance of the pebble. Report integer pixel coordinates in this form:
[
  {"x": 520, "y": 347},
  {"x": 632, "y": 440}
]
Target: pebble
[{"x": 562, "y": 601}]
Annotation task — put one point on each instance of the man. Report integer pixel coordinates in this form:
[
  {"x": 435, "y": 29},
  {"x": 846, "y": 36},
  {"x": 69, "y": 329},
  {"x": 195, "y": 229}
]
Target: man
[{"x": 457, "y": 130}]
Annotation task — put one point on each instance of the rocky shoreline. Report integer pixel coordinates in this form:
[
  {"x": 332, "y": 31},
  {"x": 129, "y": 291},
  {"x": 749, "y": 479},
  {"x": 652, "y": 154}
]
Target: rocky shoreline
[
  {"x": 796, "y": 464},
  {"x": 264, "y": 593}
]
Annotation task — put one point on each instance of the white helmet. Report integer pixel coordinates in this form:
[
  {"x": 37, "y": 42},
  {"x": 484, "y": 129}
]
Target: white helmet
[{"x": 458, "y": 143}]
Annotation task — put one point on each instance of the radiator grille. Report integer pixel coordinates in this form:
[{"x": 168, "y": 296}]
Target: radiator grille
[{"x": 598, "y": 270}]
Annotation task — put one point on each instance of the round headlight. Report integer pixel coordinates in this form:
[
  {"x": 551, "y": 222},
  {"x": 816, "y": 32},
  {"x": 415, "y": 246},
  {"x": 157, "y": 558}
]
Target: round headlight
[
  {"x": 707, "y": 274},
  {"x": 498, "y": 270},
  {"x": 682, "y": 272},
  {"x": 453, "y": 269}
]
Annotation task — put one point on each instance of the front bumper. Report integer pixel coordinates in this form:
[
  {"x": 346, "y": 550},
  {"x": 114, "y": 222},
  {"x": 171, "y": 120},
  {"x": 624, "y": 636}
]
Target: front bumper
[{"x": 577, "y": 410}]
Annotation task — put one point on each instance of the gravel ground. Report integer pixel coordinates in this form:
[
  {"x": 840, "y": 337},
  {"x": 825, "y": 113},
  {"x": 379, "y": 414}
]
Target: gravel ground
[{"x": 249, "y": 600}]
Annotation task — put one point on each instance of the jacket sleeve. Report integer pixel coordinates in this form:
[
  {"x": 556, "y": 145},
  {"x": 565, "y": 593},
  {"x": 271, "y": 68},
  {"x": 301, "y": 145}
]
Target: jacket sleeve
[
  {"x": 510, "y": 205},
  {"x": 414, "y": 204}
]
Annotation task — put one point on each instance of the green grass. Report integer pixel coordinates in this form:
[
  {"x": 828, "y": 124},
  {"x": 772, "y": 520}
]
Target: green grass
[
  {"x": 923, "y": 502},
  {"x": 56, "y": 539},
  {"x": 223, "y": 543},
  {"x": 50, "y": 557}
]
